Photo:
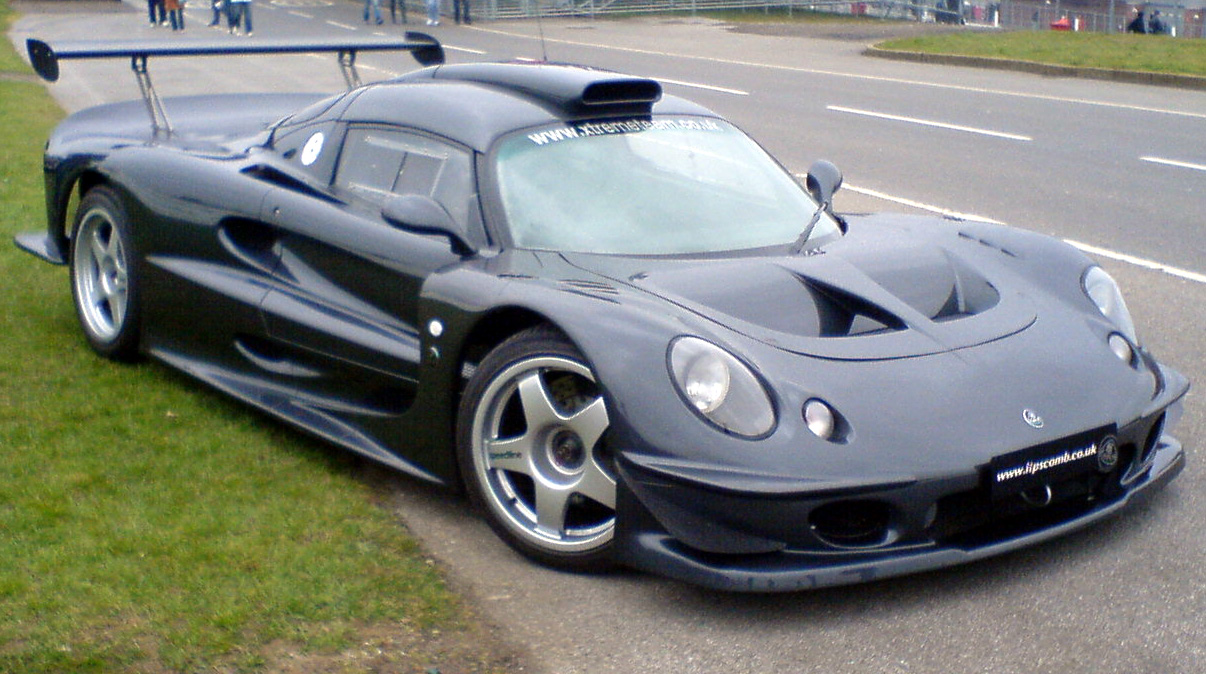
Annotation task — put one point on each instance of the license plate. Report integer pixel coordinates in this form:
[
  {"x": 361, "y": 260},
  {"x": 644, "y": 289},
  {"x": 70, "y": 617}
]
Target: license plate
[{"x": 1047, "y": 464}]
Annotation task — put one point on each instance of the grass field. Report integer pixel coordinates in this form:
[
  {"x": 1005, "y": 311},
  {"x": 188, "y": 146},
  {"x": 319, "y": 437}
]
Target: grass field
[
  {"x": 148, "y": 525},
  {"x": 1143, "y": 53}
]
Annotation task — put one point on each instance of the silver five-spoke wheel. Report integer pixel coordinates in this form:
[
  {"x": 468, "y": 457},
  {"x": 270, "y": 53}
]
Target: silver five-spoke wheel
[
  {"x": 103, "y": 284},
  {"x": 534, "y": 427}
]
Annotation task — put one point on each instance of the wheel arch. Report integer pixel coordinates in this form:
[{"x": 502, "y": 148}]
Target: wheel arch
[{"x": 489, "y": 331}]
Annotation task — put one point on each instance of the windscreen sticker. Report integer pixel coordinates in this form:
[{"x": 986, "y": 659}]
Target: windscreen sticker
[
  {"x": 312, "y": 149},
  {"x": 588, "y": 129}
]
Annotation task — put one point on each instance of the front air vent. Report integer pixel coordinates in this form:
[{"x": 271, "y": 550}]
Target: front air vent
[{"x": 852, "y": 524}]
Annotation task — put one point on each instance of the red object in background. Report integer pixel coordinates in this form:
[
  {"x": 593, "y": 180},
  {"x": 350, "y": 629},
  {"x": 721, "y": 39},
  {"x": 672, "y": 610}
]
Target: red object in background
[{"x": 1061, "y": 24}]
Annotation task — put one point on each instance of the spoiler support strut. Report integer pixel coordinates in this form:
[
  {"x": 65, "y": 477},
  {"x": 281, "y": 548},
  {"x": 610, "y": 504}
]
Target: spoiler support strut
[
  {"x": 45, "y": 58},
  {"x": 159, "y": 118}
]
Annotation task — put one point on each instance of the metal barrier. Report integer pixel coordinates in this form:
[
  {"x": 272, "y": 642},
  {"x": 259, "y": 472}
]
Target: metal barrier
[{"x": 1179, "y": 21}]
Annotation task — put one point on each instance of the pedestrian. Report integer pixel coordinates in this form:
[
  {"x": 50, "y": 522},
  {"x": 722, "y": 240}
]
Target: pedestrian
[
  {"x": 460, "y": 11},
  {"x": 175, "y": 12},
  {"x": 394, "y": 5},
  {"x": 1155, "y": 26},
  {"x": 157, "y": 13},
  {"x": 376, "y": 5},
  {"x": 240, "y": 17},
  {"x": 219, "y": 8},
  {"x": 433, "y": 12},
  {"x": 1137, "y": 24}
]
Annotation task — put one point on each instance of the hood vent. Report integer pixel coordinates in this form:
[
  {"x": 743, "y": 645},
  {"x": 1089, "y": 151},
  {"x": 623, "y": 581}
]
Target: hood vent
[{"x": 840, "y": 314}]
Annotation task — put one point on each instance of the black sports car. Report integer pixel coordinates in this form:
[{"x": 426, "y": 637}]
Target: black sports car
[{"x": 612, "y": 317}]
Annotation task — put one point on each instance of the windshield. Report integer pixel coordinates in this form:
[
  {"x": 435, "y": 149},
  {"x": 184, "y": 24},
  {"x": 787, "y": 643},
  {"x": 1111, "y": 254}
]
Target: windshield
[{"x": 670, "y": 185}]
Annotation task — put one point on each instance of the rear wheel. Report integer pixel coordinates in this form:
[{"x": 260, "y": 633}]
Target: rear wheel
[
  {"x": 532, "y": 442},
  {"x": 104, "y": 282}
]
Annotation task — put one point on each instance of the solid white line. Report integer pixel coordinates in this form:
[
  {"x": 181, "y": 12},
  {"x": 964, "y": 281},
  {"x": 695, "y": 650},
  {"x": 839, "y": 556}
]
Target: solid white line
[
  {"x": 709, "y": 87},
  {"x": 869, "y": 78},
  {"x": 1087, "y": 248},
  {"x": 1173, "y": 162},
  {"x": 926, "y": 122},
  {"x": 300, "y": 15},
  {"x": 917, "y": 204},
  {"x": 340, "y": 25},
  {"x": 464, "y": 49},
  {"x": 1138, "y": 261}
]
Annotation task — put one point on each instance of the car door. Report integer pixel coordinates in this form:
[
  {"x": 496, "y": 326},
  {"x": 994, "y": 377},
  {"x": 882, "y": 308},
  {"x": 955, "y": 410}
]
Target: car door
[{"x": 342, "y": 316}]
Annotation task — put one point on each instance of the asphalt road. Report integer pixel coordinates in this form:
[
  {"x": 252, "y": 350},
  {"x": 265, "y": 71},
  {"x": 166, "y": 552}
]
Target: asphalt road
[{"x": 1118, "y": 167}]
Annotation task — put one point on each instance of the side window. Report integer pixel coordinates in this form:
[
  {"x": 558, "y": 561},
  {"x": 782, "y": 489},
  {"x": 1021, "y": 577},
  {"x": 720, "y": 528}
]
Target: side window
[{"x": 378, "y": 162}]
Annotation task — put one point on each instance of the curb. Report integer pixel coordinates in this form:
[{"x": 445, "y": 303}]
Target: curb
[{"x": 1047, "y": 70}]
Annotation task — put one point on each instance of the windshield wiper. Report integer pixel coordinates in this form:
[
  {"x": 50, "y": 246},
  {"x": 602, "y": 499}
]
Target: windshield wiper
[{"x": 798, "y": 244}]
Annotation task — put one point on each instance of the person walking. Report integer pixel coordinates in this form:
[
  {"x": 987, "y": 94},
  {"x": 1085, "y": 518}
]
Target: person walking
[
  {"x": 219, "y": 8},
  {"x": 376, "y": 5},
  {"x": 175, "y": 12},
  {"x": 240, "y": 17},
  {"x": 460, "y": 11},
  {"x": 433, "y": 12},
  {"x": 157, "y": 13},
  {"x": 394, "y": 5}
]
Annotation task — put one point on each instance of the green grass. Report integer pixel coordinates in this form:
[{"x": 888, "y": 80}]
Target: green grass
[
  {"x": 147, "y": 524},
  {"x": 1144, "y": 53}
]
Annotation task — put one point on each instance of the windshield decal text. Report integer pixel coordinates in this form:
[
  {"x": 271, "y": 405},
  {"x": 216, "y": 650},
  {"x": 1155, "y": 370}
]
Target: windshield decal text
[{"x": 589, "y": 129}]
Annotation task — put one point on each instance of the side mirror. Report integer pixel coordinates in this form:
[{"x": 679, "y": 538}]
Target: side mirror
[
  {"x": 424, "y": 215},
  {"x": 824, "y": 179}
]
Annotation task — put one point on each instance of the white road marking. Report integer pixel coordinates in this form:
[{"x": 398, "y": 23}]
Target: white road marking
[
  {"x": 339, "y": 25},
  {"x": 1173, "y": 162},
  {"x": 1085, "y": 247},
  {"x": 926, "y": 122},
  {"x": 300, "y": 15},
  {"x": 465, "y": 50},
  {"x": 1138, "y": 261},
  {"x": 919, "y": 205},
  {"x": 709, "y": 87},
  {"x": 869, "y": 78}
]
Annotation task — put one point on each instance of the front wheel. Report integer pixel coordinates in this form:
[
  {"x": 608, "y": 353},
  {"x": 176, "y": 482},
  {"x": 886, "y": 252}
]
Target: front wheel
[
  {"x": 104, "y": 282},
  {"x": 532, "y": 443}
]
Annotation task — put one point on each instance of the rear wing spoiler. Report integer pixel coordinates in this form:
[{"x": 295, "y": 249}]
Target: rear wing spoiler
[{"x": 45, "y": 57}]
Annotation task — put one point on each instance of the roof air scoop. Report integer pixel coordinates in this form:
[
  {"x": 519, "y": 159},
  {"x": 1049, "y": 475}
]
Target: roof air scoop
[
  {"x": 622, "y": 92},
  {"x": 576, "y": 91}
]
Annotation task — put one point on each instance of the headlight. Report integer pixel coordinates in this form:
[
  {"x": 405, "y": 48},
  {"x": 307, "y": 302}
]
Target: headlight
[
  {"x": 720, "y": 388},
  {"x": 1101, "y": 288}
]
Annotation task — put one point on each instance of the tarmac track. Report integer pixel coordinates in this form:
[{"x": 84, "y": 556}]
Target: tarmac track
[{"x": 1126, "y": 597}]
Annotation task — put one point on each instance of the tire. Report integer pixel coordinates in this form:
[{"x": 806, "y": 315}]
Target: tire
[
  {"x": 104, "y": 278},
  {"x": 532, "y": 446}
]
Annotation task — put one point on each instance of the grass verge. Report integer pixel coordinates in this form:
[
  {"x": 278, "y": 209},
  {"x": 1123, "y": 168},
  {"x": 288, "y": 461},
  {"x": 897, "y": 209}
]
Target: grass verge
[
  {"x": 1140, "y": 53},
  {"x": 147, "y": 524}
]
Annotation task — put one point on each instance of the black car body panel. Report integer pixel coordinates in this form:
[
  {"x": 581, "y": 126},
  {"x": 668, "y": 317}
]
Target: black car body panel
[{"x": 974, "y": 390}]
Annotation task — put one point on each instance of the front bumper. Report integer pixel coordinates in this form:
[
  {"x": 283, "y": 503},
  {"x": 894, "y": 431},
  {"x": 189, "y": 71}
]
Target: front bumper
[{"x": 644, "y": 542}]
